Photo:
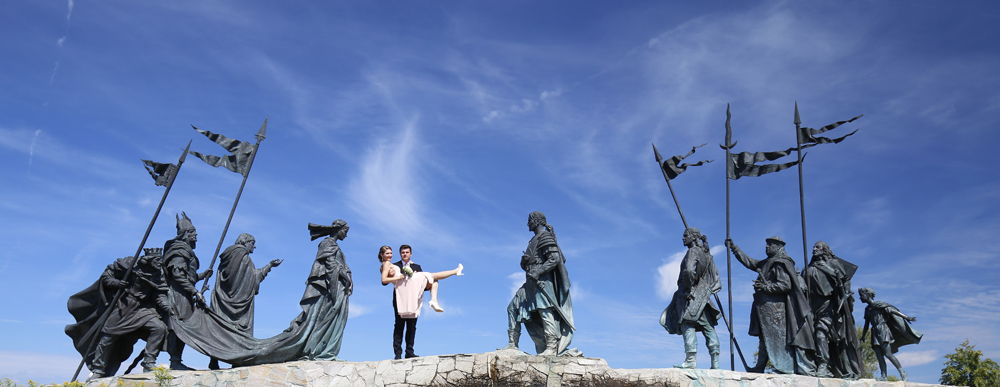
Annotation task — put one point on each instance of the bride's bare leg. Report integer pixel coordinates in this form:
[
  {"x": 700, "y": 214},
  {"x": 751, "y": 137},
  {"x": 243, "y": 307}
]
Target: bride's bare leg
[
  {"x": 434, "y": 297},
  {"x": 445, "y": 274}
]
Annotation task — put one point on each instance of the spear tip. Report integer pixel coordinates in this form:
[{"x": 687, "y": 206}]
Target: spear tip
[
  {"x": 659, "y": 158},
  {"x": 797, "y": 120},
  {"x": 184, "y": 155},
  {"x": 263, "y": 129}
]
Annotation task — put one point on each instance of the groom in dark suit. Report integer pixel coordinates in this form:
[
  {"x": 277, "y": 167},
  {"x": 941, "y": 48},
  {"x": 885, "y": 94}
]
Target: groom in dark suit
[{"x": 410, "y": 323}]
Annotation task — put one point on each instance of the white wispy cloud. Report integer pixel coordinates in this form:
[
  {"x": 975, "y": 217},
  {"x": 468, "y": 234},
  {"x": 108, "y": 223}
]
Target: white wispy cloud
[
  {"x": 54, "y": 69},
  {"x": 60, "y": 42},
  {"x": 525, "y": 106},
  {"x": 550, "y": 94},
  {"x": 516, "y": 280},
  {"x": 69, "y": 10},
  {"x": 494, "y": 114},
  {"x": 51, "y": 149},
  {"x": 908, "y": 359},
  {"x": 577, "y": 292},
  {"x": 450, "y": 311},
  {"x": 387, "y": 189},
  {"x": 356, "y": 310},
  {"x": 31, "y": 149},
  {"x": 666, "y": 276}
]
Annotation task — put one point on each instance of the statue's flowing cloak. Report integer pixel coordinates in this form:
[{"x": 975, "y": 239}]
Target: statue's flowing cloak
[
  {"x": 698, "y": 277},
  {"x": 315, "y": 334},
  {"x": 891, "y": 328},
  {"x": 783, "y": 320},
  {"x": 827, "y": 297},
  {"x": 236, "y": 284},
  {"x": 551, "y": 290},
  {"x": 89, "y": 304},
  {"x": 798, "y": 332}
]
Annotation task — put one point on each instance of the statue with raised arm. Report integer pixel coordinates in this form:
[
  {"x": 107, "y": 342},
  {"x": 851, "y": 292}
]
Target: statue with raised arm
[
  {"x": 543, "y": 303},
  {"x": 890, "y": 330},
  {"x": 691, "y": 309},
  {"x": 838, "y": 351},
  {"x": 237, "y": 284},
  {"x": 780, "y": 314}
]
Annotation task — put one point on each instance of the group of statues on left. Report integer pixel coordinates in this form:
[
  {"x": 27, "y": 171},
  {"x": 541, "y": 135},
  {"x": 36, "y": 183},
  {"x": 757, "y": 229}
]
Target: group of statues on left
[{"x": 161, "y": 305}]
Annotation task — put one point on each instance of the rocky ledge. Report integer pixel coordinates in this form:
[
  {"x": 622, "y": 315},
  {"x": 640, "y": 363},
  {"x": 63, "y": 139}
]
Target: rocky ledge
[{"x": 499, "y": 368}]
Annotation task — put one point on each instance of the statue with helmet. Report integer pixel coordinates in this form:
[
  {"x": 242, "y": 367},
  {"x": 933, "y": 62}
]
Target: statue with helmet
[{"x": 180, "y": 266}]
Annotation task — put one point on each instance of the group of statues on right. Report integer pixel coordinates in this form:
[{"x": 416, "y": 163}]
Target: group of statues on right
[{"x": 804, "y": 321}]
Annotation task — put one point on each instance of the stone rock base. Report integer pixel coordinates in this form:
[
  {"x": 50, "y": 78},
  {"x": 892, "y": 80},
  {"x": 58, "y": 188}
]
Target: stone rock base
[{"x": 494, "y": 369}]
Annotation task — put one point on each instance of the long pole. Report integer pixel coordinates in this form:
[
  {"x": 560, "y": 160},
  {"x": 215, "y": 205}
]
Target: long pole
[
  {"x": 659, "y": 162},
  {"x": 732, "y": 340},
  {"x": 802, "y": 195},
  {"x": 729, "y": 259},
  {"x": 95, "y": 330},
  {"x": 260, "y": 137}
]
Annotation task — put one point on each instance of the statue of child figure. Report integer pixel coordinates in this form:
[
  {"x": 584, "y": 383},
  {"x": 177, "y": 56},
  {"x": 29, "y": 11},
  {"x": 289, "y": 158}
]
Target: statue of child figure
[{"x": 890, "y": 330}]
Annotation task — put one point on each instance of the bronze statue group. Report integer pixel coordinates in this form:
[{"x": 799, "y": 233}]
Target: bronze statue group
[
  {"x": 162, "y": 306},
  {"x": 803, "y": 320}
]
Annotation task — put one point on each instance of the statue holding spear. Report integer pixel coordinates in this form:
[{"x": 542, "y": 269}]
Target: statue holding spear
[{"x": 691, "y": 309}]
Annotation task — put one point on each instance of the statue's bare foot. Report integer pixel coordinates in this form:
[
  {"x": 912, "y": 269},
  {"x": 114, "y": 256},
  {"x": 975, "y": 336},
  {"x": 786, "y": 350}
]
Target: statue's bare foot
[
  {"x": 458, "y": 271},
  {"x": 436, "y": 307}
]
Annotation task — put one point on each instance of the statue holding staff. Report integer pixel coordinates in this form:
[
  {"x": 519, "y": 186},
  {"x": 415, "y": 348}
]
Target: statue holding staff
[{"x": 691, "y": 309}]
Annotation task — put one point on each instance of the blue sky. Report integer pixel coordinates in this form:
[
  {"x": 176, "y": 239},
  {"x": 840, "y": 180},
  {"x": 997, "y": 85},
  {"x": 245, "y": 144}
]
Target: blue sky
[{"x": 443, "y": 124}]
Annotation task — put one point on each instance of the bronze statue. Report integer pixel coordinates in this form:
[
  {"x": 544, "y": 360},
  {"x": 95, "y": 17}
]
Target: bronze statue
[
  {"x": 780, "y": 315},
  {"x": 136, "y": 315},
  {"x": 890, "y": 330},
  {"x": 837, "y": 348},
  {"x": 236, "y": 285},
  {"x": 691, "y": 309},
  {"x": 543, "y": 303},
  {"x": 180, "y": 266},
  {"x": 315, "y": 334}
]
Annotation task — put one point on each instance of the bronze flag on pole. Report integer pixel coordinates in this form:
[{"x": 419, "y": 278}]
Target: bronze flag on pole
[
  {"x": 809, "y": 134},
  {"x": 745, "y": 163},
  {"x": 238, "y": 161},
  {"x": 162, "y": 173},
  {"x": 673, "y": 167}
]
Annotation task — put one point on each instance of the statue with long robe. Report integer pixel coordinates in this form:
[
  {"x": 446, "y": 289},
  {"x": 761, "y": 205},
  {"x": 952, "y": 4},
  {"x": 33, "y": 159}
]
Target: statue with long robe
[
  {"x": 832, "y": 301},
  {"x": 780, "y": 315},
  {"x": 237, "y": 284},
  {"x": 315, "y": 334}
]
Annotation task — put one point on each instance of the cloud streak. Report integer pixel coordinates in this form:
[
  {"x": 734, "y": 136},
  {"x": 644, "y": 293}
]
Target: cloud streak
[
  {"x": 55, "y": 68},
  {"x": 387, "y": 191}
]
